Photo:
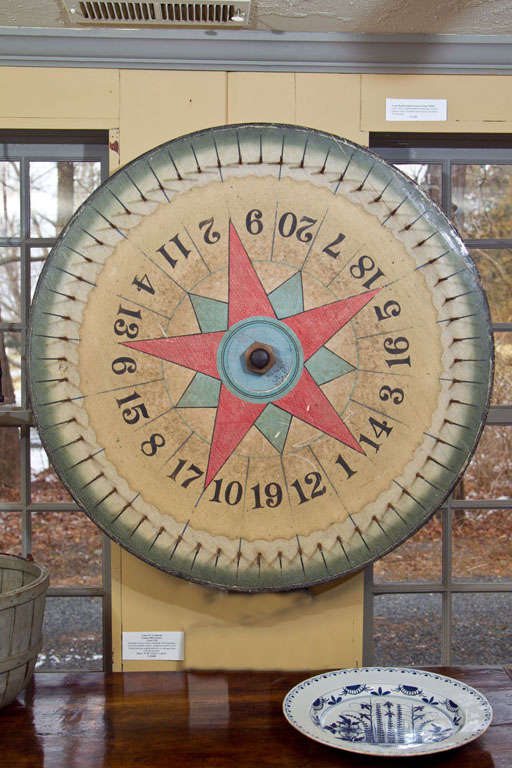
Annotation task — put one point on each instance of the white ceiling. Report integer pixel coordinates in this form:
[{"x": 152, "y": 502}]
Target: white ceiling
[{"x": 486, "y": 17}]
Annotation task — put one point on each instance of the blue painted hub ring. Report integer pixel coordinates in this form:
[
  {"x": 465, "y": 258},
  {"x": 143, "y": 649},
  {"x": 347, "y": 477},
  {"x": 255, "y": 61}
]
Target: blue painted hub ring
[{"x": 279, "y": 379}]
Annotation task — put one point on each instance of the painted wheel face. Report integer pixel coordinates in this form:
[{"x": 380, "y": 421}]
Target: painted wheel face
[{"x": 260, "y": 357}]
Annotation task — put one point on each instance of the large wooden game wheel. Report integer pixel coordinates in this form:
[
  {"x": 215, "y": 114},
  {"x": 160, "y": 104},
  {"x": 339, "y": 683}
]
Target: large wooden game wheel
[{"x": 260, "y": 357}]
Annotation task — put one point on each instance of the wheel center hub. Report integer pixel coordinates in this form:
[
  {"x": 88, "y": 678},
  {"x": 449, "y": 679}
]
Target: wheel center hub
[{"x": 257, "y": 371}]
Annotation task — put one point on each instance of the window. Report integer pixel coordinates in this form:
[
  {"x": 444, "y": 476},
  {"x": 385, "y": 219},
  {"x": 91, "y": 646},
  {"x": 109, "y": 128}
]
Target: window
[
  {"x": 43, "y": 179},
  {"x": 445, "y": 596}
]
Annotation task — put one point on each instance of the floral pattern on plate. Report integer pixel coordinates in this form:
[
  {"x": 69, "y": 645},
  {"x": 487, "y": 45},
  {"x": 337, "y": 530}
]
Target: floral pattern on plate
[
  {"x": 387, "y": 711},
  {"x": 406, "y": 714}
]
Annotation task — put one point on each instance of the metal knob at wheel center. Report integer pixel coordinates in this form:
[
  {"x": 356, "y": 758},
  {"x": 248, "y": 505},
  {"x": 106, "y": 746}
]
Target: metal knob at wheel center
[{"x": 259, "y": 358}]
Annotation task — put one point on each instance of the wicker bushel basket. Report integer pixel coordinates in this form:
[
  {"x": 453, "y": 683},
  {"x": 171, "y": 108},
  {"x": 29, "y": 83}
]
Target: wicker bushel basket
[{"x": 23, "y": 586}]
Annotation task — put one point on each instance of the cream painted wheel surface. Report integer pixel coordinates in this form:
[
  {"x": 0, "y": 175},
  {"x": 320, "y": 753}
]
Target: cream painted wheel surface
[{"x": 304, "y": 247}]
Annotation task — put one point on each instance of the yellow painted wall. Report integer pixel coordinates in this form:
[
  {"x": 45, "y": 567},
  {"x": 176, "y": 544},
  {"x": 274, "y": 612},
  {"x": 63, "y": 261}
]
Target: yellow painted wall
[
  {"x": 49, "y": 98},
  {"x": 476, "y": 103},
  {"x": 309, "y": 629}
]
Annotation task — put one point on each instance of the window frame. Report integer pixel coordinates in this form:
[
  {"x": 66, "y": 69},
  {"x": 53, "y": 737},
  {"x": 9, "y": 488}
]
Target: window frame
[
  {"x": 445, "y": 151},
  {"x": 47, "y": 146}
]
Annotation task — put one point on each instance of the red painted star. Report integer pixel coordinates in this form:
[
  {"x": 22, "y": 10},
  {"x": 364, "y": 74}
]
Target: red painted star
[{"x": 247, "y": 298}]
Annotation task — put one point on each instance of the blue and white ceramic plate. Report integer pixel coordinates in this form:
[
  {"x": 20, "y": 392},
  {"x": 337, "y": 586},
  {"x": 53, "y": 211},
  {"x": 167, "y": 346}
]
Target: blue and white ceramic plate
[{"x": 387, "y": 711}]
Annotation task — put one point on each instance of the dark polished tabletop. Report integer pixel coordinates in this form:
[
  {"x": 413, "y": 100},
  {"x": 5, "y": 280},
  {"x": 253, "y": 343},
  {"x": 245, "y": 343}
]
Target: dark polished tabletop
[{"x": 222, "y": 719}]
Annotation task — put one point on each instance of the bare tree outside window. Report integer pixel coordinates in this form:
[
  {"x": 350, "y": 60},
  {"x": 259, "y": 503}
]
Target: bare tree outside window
[
  {"x": 41, "y": 185},
  {"x": 461, "y": 560},
  {"x": 56, "y": 188}
]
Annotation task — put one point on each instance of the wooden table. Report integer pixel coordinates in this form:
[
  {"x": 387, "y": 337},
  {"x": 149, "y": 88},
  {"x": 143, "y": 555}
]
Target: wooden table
[{"x": 219, "y": 719}]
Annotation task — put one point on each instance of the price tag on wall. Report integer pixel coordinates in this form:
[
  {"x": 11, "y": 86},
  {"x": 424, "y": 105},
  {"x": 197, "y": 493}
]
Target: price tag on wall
[
  {"x": 416, "y": 110},
  {"x": 153, "y": 646}
]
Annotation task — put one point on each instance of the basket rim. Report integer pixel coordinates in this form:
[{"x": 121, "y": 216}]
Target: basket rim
[{"x": 43, "y": 575}]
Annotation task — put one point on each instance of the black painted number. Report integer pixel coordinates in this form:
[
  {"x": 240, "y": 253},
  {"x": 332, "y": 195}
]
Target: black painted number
[
  {"x": 210, "y": 235},
  {"x": 364, "y": 266},
  {"x": 390, "y": 309},
  {"x": 253, "y": 221},
  {"x": 287, "y": 227},
  {"x": 151, "y": 446},
  {"x": 379, "y": 428},
  {"x": 395, "y": 395},
  {"x": 329, "y": 249},
  {"x": 143, "y": 284},
  {"x": 125, "y": 328},
  {"x": 273, "y": 495},
  {"x": 398, "y": 346},
  {"x": 314, "y": 479},
  {"x": 132, "y": 414},
  {"x": 232, "y": 492},
  {"x": 194, "y": 472},
  {"x": 173, "y": 246},
  {"x": 124, "y": 365},
  {"x": 345, "y": 466}
]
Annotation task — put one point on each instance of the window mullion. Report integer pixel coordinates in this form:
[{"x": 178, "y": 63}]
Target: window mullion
[
  {"x": 24, "y": 273},
  {"x": 446, "y": 187},
  {"x": 26, "y": 518},
  {"x": 25, "y": 198},
  {"x": 489, "y": 243},
  {"x": 26, "y": 515}
]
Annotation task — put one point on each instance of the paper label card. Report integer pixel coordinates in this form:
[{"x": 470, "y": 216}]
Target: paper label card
[
  {"x": 416, "y": 110},
  {"x": 153, "y": 646}
]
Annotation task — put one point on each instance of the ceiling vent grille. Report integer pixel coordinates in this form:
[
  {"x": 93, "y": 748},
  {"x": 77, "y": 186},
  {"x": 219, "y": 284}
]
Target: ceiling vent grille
[{"x": 201, "y": 13}]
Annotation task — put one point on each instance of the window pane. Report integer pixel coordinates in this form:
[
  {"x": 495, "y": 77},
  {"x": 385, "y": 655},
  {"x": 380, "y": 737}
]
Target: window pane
[
  {"x": 482, "y": 200},
  {"x": 10, "y": 367},
  {"x": 10, "y": 288},
  {"x": 418, "y": 559},
  {"x": 482, "y": 628},
  {"x": 10, "y": 531},
  {"x": 70, "y": 547},
  {"x": 502, "y": 389},
  {"x": 482, "y": 545},
  {"x": 10, "y": 473},
  {"x": 56, "y": 191},
  {"x": 38, "y": 257},
  {"x": 495, "y": 268},
  {"x": 45, "y": 485},
  {"x": 10, "y": 199},
  {"x": 407, "y": 629},
  {"x": 489, "y": 475},
  {"x": 72, "y": 634},
  {"x": 427, "y": 175}
]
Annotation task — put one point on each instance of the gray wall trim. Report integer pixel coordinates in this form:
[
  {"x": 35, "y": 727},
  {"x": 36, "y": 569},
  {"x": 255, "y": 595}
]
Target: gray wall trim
[{"x": 246, "y": 50}]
